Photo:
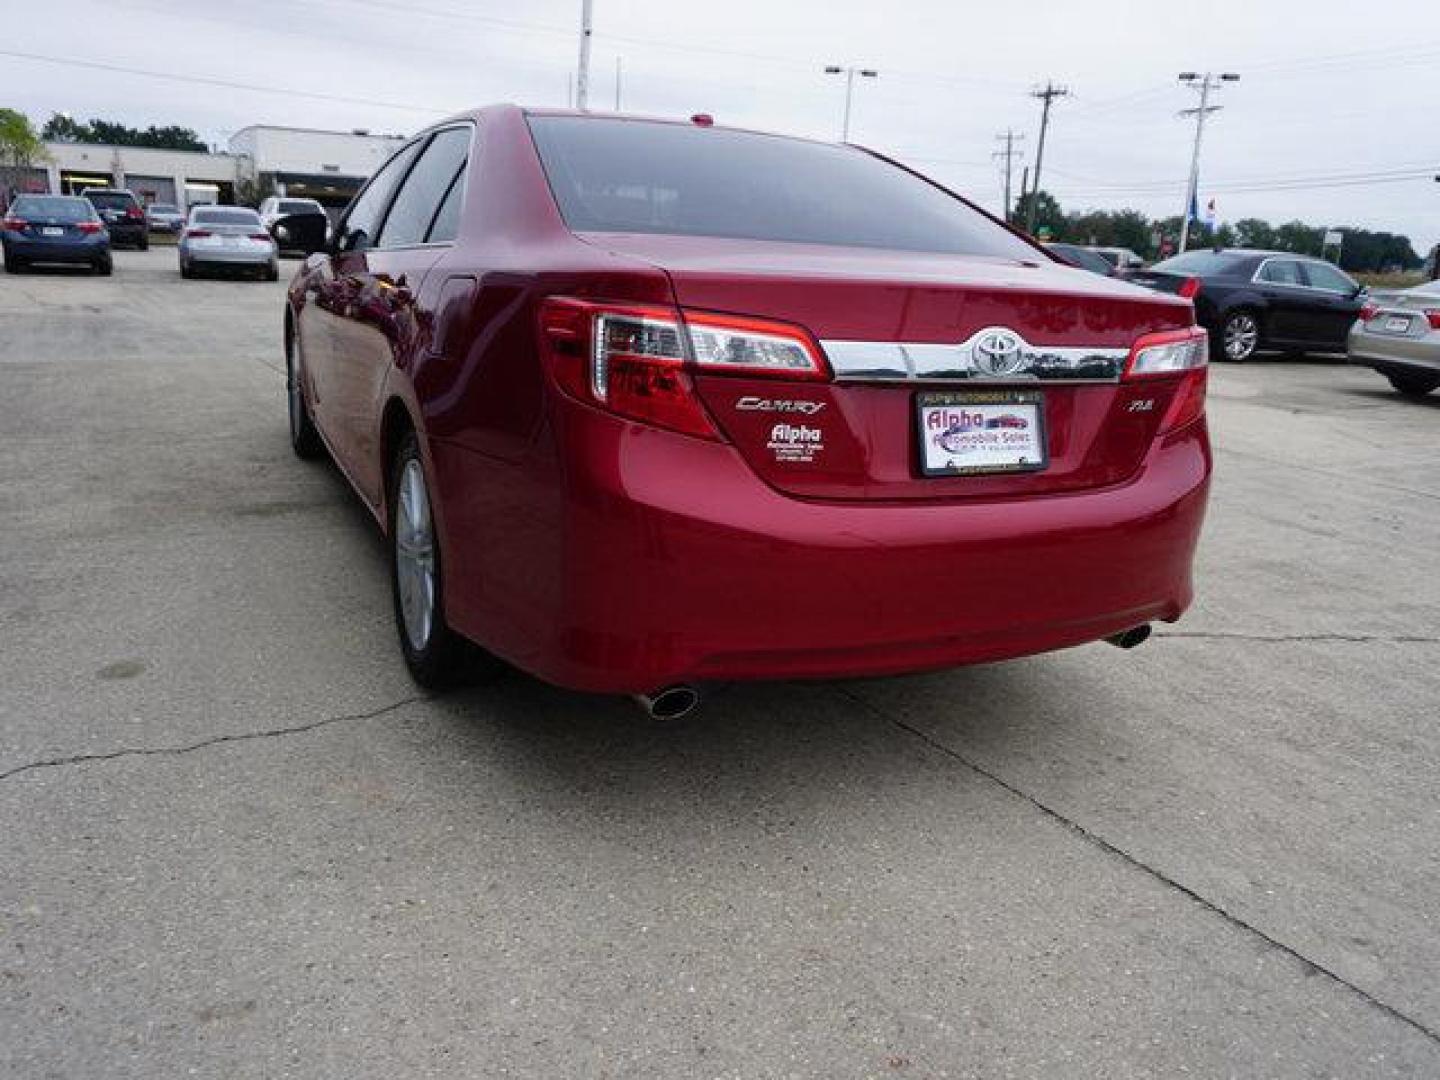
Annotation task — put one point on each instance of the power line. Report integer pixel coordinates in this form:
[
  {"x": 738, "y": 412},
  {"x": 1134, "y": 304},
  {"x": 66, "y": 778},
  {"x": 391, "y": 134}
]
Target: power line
[{"x": 228, "y": 84}]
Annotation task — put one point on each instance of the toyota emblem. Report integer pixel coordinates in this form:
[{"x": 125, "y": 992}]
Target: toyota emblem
[{"x": 998, "y": 352}]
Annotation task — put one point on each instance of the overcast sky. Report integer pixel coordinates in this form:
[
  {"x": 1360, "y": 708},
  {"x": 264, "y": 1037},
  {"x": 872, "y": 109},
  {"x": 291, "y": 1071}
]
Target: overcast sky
[{"x": 1332, "y": 93}]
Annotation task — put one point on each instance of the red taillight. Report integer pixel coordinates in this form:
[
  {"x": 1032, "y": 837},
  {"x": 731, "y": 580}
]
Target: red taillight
[
  {"x": 1433, "y": 315},
  {"x": 14, "y": 223},
  {"x": 1183, "y": 353},
  {"x": 89, "y": 226},
  {"x": 135, "y": 212},
  {"x": 638, "y": 360},
  {"x": 197, "y": 234},
  {"x": 1368, "y": 312},
  {"x": 1189, "y": 288}
]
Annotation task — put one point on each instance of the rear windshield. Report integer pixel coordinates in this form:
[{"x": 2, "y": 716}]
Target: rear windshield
[
  {"x": 226, "y": 215},
  {"x": 644, "y": 177},
  {"x": 53, "y": 206},
  {"x": 298, "y": 206},
  {"x": 1201, "y": 263},
  {"x": 112, "y": 200}
]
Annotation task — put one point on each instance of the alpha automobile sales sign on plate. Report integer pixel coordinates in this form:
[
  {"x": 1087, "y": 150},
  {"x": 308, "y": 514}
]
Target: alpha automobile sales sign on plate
[{"x": 964, "y": 432}]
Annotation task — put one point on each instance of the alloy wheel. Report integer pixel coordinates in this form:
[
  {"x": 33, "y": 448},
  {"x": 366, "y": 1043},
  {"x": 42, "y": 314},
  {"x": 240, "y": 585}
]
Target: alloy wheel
[
  {"x": 415, "y": 556},
  {"x": 1242, "y": 335}
]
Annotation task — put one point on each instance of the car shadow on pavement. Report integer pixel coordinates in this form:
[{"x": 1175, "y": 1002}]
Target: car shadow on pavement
[{"x": 1394, "y": 397}]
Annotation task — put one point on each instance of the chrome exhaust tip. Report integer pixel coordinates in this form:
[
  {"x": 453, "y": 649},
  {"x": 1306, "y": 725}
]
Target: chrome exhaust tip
[
  {"x": 671, "y": 703},
  {"x": 1128, "y": 639}
]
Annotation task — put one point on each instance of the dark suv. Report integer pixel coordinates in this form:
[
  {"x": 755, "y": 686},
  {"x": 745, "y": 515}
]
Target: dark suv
[{"x": 123, "y": 215}]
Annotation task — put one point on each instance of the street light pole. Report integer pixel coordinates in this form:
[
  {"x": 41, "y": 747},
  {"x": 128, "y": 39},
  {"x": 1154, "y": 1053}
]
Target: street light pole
[
  {"x": 849, "y": 73},
  {"x": 1205, "y": 84}
]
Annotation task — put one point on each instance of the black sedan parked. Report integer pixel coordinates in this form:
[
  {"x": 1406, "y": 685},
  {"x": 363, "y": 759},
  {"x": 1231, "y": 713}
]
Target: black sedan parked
[{"x": 1252, "y": 300}]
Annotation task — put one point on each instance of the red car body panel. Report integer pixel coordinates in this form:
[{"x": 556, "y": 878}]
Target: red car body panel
[{"x": 606, "y": 554}]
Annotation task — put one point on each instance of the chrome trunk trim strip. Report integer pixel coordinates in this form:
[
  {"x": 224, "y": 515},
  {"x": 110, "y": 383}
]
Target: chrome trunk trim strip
[{"x": 995, "y": 354}]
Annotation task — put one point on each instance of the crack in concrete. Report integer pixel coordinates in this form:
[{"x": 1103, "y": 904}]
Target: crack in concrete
[
  {"x": 1132, "y": 860},
  {"x": 1357, "y": 639},
  {"x": 217, "y": 740}
]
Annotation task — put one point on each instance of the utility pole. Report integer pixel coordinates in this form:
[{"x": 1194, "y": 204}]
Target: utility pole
[
  {"x": 1204, "y": 84},
  {"x": 617, "y": 83},
  {"x": 1008, "y": 155},
  {"x": 1047, "y": 95},
  {"x": 849, "y": 73},
  {"x": 582, "y": 75}
]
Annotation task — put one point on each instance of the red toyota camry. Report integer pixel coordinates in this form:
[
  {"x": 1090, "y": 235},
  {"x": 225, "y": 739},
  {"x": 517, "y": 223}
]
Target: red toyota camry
[{"x": 644, "y": 405}]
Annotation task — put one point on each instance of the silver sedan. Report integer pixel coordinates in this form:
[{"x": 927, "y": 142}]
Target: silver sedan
[
  {"x": 1398, "y": 334},
  {"x": 230, "y": 237}
]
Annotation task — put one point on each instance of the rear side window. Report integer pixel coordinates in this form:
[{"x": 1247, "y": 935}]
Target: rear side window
[
  {"x": 362, "y": 220},
  {"x": 638, "y": 176},
  {"x": 1281, "y": 272},
  {"x": 447, "y": 218},
  {"x": 298, "y": 206},
  {"x": 424, "y": 189}
]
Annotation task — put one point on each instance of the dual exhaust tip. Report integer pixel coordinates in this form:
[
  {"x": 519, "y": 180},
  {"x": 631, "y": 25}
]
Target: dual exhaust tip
[{"x": 677, "y": 702}]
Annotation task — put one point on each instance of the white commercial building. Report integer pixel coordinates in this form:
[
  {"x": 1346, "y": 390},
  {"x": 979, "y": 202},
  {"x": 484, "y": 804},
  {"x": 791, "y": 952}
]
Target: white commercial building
[
  {"x": 326, "y": 165},
  {"x": 309, "y": 163}
]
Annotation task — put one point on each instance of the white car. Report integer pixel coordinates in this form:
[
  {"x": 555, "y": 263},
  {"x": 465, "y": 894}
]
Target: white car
[{"x": 231, "y": 237}]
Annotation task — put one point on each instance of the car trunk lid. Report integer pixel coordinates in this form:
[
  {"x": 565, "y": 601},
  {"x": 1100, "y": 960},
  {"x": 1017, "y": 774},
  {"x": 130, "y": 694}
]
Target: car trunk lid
[{"x": 896, "y": 325}]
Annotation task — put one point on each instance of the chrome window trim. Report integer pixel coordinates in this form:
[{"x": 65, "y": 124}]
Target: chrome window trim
[{"x": 898, "y": 361}]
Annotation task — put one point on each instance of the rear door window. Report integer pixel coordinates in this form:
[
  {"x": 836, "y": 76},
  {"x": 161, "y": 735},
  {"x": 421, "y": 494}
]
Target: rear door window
[
  {"x": 424, "y": 189},
  {"x": 1324, "y": 276},
  {"x": 1281, "y": 272}
]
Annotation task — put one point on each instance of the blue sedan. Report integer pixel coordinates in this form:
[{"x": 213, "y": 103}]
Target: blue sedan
[{"x": 54, "y": 229}]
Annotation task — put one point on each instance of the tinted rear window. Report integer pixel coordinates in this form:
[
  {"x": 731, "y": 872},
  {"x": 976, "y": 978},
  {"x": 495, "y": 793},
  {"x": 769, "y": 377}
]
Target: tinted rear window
[
  {"x": 112, "y": 200},
  {"x": 1201, "y": 263},
  {"x": 638, "y": 176},
  {"x": 53, "y": 206},
  {"x": 226, "y": 216},
  {"x": 298, "y": 206}
]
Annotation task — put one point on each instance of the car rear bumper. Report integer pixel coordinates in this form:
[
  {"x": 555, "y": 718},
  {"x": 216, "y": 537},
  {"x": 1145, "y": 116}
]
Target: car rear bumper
[
  {"x": 671, "y": 562},
  {"x": 79, "y": 250},
  {"x": 224, "y": 257},
  {"x": 1394, "y": 352}
]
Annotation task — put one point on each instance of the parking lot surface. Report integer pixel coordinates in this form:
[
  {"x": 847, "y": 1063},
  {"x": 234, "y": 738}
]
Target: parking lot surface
[{"x": 238, "y": 843}]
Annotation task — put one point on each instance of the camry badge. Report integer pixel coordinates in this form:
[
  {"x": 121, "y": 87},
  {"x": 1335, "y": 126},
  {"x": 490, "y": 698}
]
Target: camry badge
[{"x": 759, "y": 404}]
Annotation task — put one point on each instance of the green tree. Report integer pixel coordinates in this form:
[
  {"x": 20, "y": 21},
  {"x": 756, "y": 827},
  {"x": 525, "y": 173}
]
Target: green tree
[
  {"x": 113, "y": 133},
  {"x": 20, "y": 147},
  {"x": 1254, "y": 233},
  {"x": 1048, "y": 215},
  {"x": 1300, "y": 238}
]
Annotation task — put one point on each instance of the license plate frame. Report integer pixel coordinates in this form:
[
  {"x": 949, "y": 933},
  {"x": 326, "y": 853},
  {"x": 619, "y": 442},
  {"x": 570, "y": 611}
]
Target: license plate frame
[
  {"x": 1396, "y": 324},
  {"x": 987, "y": 455},
  {"x": 52, "y": 230}
]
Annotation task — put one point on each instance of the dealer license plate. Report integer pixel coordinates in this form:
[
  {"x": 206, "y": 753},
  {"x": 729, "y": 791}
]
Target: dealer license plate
[
  {"x": 965, "y": 432},
  {"x": 1397, "y": 324}
]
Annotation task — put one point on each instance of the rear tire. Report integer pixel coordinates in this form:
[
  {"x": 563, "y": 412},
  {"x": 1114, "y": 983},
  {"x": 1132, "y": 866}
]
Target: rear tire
[
  {"x": 1416, "y": 386},
  {"x": 143, "y": 244},
  {"x": 272, "y": 272},
  {"x": 304, "y": 439},
  {"x": 1239, "y": 336},
  {"x": 104, "y": 266},
  {"x": 433, "y": 652},
  {"x": 14, "y": 264}
]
